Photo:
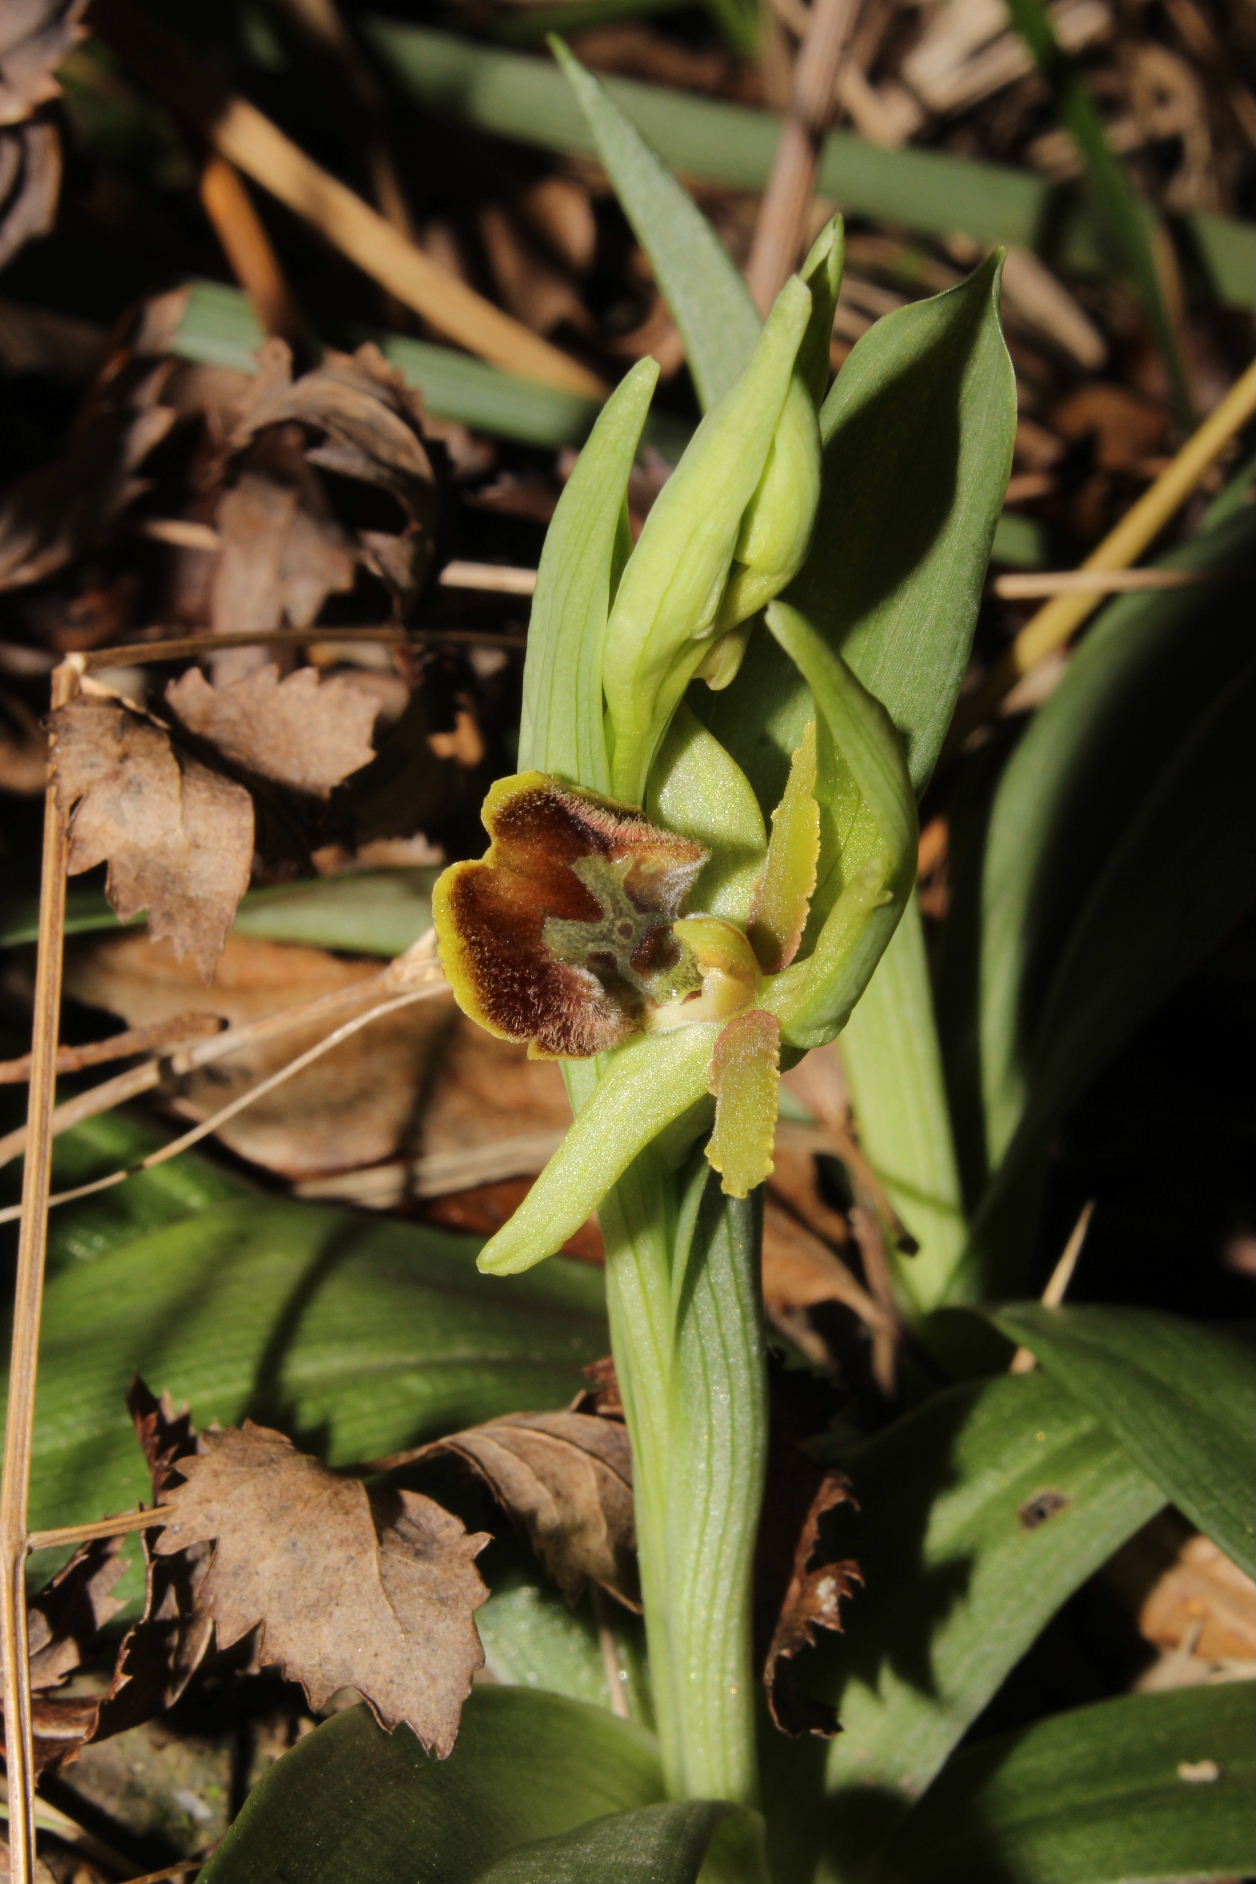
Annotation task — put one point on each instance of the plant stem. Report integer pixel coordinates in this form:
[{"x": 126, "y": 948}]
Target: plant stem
[{"x": 683, "y": 1294}]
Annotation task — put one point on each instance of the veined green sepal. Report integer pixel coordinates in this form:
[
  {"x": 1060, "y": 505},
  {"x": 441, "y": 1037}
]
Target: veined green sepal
[
  {"x": 668, "y": 600},
  {"x": 745, "y": 1077},
  {"x": 649, "y": 1084}
]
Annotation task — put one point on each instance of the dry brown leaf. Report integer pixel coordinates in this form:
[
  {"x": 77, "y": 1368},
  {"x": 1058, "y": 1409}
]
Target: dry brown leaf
[
  {"x": 302, "y": 731},
  {"x": 366, "y": 425},
  {"x": 1190, "y": 1600},
  {"x": 375, "y": 1592},
  {"x": 812, "y": 1602},
  {"x": 178, "y": 839},
  {"x": 65, "y": 1621},
  {"x": 35, "y": 36},
  {"x": 567, "y": 1478},
  {"x": 58, "y": 511},
  {"x": 423, "y": 1083},
  {"x": 30, "y": 183},
  {"x": 282, "y": 552}
]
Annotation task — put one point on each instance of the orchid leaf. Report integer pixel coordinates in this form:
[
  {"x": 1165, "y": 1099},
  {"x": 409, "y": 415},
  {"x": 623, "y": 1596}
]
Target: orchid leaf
[
  {"x": 351, "y": 1804},
  {"x": 1180, "y": 1397},
  {"x": 648, "y": 1084},
  {"x": 561, "y": 725},
  {"x": 710, "y": 302},
  {"x": 980, "y": 1512},
  {"x": 1147, "y": 1787}
]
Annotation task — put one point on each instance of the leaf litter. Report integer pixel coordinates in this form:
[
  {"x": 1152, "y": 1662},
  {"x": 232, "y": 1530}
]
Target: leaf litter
[{"x": 347, "y": 1588}]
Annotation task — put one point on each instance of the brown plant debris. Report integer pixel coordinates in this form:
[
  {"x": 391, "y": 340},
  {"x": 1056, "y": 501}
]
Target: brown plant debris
[
  {"x": 177, "y": 838},
  {"x": 371, "y": 1591},
  {"x": 366, "y": 426},
  {"x": 567, "y": 1479},
  {"x": 302, "y": 731},
  {"x": 812, "y": 1602},
  {"x": 68, "y": 506},
  {"x": 35, "y": 36},
  {"x": 167, "y": 1645},
  {"x": 64, "y": 1626}
]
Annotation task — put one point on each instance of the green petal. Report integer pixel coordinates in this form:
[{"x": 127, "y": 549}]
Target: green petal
[
  {"x": 784, "y": 891},
  {"x": 647, "y": 1086},
  {"x": 745, "y": 1078}
]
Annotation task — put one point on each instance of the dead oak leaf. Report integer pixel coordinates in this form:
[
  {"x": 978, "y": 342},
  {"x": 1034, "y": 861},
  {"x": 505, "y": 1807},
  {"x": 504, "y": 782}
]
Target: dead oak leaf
[
  {"x": 567, "y": 1478},
  {"x": 812, "y": 1602},
  {"x": 374, "y": 1592},
  {"x": 178, "y": 838},
  {"x": 303, "y": 731}
]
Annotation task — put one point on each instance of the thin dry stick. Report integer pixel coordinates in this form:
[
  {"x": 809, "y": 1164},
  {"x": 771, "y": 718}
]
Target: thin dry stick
[
  {"x": 492, "y": 578},
  {"x": 248, "y": 249},
  {"x": 120, "y": 1526},
  {"x": 1060, "y": 618},
  {"x": 781, "y": 228},
  {"x": 245, "y": 1099},
  {"x": 27, "y": 1309},
  {"x": 147, "y": 1039},
  {"x": 241, "y": 133},
  {"x": 1029, "y": 586},
  {"x": 184, "y": 647},
  {"x": 1024, "y": 1360},
  {"x": 137, "y": 1080},
  {"x": 609, "y": 1645}
]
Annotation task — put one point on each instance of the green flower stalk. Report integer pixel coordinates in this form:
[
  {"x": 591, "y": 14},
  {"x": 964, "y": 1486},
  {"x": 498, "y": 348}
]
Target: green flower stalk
[{"x": 641, "y": 916}]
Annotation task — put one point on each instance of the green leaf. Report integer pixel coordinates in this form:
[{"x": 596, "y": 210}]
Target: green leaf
[
  {"x": 516, "y": 96},
  {"x": 1118, "y": 789},
  {"x": 980, "y": 1513},
  {"x": 533, "y": 1639},
  {"x": 354, "y": 1335},
  {"x": 892, "y": 1058},
  {"x": 1179, "y": 1396},
  {"x": 710, "y": 302},
  {"x": 351, "y": 1804},
  {"x": 371, "y": 912},
  {"x": 561, "y": 724},
  {"x": 918, "y": 433},
  {"x": 1148, "y": 1789},
  {"x": 698, "y": 789},
  {"x": 656, "y": 1844}
]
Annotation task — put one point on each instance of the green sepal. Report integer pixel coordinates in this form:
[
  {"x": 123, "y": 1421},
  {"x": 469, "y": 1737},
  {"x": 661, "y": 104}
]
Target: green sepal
[
  {"x": 697, "y": 787},
  {"x": 867, "y": 876},
  {"x": 669, "y": 596},
  {"x": 648, "y": 1084}
]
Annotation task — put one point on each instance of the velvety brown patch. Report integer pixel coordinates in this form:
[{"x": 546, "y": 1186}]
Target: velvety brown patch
[{"x": 557, "y": 935}]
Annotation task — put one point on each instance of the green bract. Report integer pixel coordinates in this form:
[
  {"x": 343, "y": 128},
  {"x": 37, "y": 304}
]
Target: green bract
[{"x": 767, "y": 943}]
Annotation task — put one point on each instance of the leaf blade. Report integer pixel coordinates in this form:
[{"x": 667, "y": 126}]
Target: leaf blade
[{"x": 1180, "y": 1397}]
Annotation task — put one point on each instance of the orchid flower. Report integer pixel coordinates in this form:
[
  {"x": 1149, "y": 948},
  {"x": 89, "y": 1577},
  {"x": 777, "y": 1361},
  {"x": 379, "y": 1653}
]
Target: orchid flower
[{"x": 632, "y": 910}]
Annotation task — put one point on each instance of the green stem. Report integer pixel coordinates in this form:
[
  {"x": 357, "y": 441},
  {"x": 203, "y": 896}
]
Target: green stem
[{"x": 683, "y": 1293}]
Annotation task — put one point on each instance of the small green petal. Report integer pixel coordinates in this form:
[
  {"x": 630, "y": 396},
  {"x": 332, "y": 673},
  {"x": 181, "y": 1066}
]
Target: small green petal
[
  {"x": 784, "y": 891},
  {"x": 745, "y": 1077},
  {"x": 648, "y": 1085}
]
